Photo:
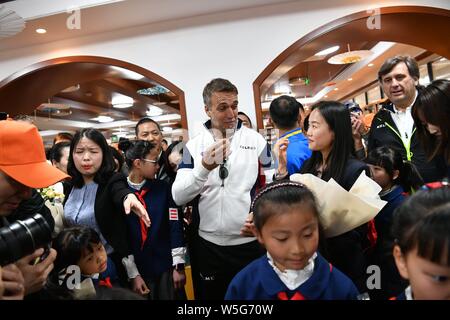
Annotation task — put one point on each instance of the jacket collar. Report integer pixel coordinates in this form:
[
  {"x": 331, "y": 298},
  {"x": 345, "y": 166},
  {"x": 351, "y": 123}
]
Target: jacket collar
[{"x": 312, "y": 289}]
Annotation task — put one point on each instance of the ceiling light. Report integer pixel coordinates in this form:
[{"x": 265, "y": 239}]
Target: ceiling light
[
  {"x": 167, "y": 129},
  {"x": 326, "y": 96},
  {"x": 327, "y": 51},
  {"x": 349, "y": 79},
  {"x": 10, "y": 22},
  {"x": 103, "y": 119},
  {"x": 41, "y": 31},
  {"x": 154, "y": 111},
  {"x": 336, "y": 89},
  {"x": 350, "y": 56},
  {"x": 71, "y": 88},
  {"x": 370, "y": 65},
  {"x": 122, "y": 105}
]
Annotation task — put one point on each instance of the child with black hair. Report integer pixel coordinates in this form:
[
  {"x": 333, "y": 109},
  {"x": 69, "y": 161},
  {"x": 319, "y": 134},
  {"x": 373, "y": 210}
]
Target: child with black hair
[
  {"x": 286, "y": 220},
  {"x": 82, "y": 248},
  {"x": 422, "y": 244},
  {"x": 396, "y": 177},
  {"x": 159, "y": 250}
]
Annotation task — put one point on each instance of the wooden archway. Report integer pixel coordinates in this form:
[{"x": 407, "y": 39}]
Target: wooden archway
[
  {"x": 428, "y": 31},
  {"x": 22, "y": 91}
]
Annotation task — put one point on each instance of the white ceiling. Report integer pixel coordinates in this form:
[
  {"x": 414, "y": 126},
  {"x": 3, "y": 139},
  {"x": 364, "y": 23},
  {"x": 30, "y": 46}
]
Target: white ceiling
[{"x": 101, "y": 15}]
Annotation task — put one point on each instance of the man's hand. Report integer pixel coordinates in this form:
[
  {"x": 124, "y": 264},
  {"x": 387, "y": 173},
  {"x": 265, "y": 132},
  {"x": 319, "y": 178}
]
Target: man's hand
[
  {"x": 179, "y": 279},
  {"x": 138, "y": 285},
  {"x": 36, "y": 275},
  {"x": 13, "y": 283},
  {"x": 248, "y": 230},
  {"x": 132, "y": 203},
  {"x": 216, "y": 153}
]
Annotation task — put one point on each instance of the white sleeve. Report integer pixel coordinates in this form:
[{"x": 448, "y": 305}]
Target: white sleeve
[
  {"x": 190, "y": 179},
  {"x": 178, "y": 255}
]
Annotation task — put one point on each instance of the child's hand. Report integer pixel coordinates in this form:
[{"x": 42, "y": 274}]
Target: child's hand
[
  {"x": 248, "y": 230},
  {"x": 138, "y": 285},
  {"x": 179, "y": 279},
  {"x": 280, "y": 152}
]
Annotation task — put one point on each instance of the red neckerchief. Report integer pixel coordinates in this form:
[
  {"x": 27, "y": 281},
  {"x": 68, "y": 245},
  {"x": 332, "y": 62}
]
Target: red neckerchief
[
  {"x": 105, "y": 282},
  {"x": 140, "y": 195},
  {"x": 283, "y": 296},
  {"x": 372, "y": 234}
]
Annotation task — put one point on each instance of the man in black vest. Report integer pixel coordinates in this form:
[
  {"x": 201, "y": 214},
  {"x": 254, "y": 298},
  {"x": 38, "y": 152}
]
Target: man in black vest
[{"x": 393, "y": 125}]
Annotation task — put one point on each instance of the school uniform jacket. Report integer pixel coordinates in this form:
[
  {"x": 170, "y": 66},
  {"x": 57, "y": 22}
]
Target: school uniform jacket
[
  {"x": 153, "y": 251},
  {"x": 222, "y": 206},
  {"x": 258, "y": 281}
]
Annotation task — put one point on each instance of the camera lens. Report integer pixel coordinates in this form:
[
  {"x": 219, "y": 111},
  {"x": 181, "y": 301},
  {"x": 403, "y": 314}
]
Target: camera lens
[{"x": 22, "y": 238}]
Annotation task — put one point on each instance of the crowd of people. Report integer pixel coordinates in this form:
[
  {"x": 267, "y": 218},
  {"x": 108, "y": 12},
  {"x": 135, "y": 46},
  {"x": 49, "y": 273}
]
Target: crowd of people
[{"x": 131, "y": 219}]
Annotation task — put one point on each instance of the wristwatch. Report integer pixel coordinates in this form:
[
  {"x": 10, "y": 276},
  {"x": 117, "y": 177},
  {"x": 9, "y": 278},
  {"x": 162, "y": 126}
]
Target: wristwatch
[{"x": 179, "y": 267}]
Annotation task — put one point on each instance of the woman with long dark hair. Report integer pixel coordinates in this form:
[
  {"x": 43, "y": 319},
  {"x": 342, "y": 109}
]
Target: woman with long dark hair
[
  {"x": 431, "y": 116},
  {"x": 100, "y": 198},
  {"x": 333, "y": 156}
]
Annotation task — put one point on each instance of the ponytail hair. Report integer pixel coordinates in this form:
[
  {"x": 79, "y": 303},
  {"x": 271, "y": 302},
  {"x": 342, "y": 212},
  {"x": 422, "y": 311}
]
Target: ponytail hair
[
  {"x": 390, "y": 160},
  {"x": 136, "y": 150}
]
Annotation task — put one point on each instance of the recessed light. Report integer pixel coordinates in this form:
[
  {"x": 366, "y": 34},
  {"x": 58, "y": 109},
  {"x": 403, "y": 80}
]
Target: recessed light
[
  {"x": 41, "y": 31},
  {"x": 349, "y": 79},
  {"x": 370, "y": 65},
  {"x": 327, "y": 51},
  {"x": 336, "y": 89},
  {"x": 326, "y": 96}
]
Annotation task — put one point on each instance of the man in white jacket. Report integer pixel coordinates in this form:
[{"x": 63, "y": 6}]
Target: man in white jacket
[{"x": 220, "y": 172}]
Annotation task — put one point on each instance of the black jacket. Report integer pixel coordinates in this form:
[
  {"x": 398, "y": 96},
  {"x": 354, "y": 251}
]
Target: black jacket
[
  {"x": 346, "y": 251},
  {"x": 110, "y": 214},
  {"x": 384, "y": 132}
]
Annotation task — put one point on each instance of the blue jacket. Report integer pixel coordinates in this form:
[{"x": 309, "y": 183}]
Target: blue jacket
[
  {"x": 383, "y": 219},
  {"x": 258, "y": 281},
  {"x": 297, "y": 151},
  {"x": 164, "y": 234}
]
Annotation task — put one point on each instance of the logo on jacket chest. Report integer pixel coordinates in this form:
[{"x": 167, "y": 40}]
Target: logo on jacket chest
[{"x": 247, "y": 147}]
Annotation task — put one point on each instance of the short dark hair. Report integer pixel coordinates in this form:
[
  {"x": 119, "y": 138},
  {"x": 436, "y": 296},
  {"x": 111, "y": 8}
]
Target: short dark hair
[
  {"x": 144, "y": 120},
  {"x": 284, "y": 111},
  {"x": 217, "y": 85},
  {"x": 107, "y": 167},
  {"x": 390, "y": 63},
  {"x": 278, "y": 194},
  {"x": 63, "y": 136},
  {"x": 165, "y": 141},
  {"x": 413, "y": 210},
  {"x": 56, "y": 151},
  {"x": 433, "y": 103},
  {"x": 71, "y": 243},
  {"x": 423, "y": 221}
]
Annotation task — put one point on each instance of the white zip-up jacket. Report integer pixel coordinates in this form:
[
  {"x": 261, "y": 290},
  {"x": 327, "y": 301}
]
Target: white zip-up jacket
[{"x": 222, "y": 208}]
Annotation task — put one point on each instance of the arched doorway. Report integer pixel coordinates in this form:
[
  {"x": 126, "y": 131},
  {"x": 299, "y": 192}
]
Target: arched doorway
[
  {"x": 74, "y": 91},
  {"x": 418, "y": 26}
]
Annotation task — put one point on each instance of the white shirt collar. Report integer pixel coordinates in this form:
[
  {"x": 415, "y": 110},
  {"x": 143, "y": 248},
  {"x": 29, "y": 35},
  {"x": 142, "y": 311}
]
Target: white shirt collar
[
  {"x": 294, "y": 278},
  {"x": 136, "y": 186},
  {"x": 408, "y": 293}
]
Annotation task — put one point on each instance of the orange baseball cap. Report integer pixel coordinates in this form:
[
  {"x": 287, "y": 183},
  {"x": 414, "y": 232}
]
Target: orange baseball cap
[{"x": 22, "y": 156}]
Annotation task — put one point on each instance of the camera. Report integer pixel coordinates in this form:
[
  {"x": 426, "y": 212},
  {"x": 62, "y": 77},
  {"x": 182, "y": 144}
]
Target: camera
[{"x": 22, "y": 238}]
